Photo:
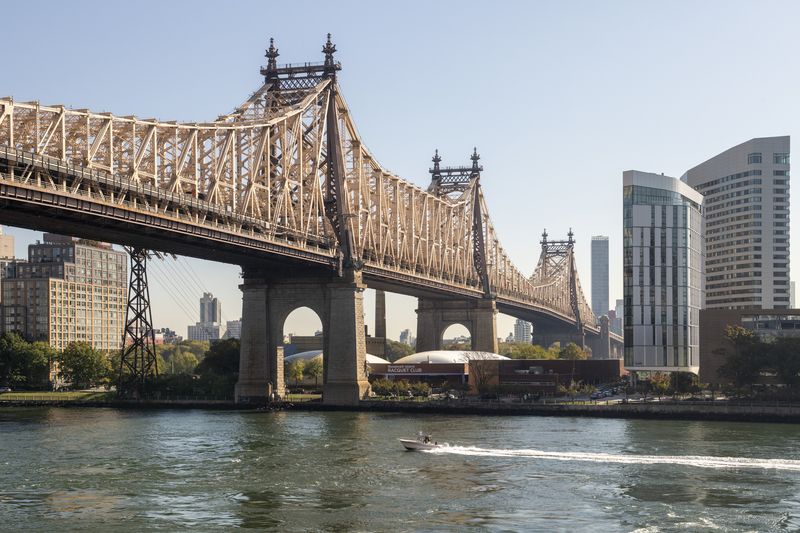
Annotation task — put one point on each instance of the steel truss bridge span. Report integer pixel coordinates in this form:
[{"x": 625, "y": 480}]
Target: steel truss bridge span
[{"x": 283, "y": 179}]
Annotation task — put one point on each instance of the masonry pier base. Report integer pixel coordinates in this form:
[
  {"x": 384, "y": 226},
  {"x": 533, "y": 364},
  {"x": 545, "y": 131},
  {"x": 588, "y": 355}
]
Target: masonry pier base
[
  {"x": 266, "y": 302},
  {"x": 478, "y": 316}
]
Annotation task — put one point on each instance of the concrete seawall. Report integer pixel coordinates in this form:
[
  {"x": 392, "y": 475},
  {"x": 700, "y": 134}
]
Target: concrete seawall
[
  {"x": 766, "y": 412},
  {"x": 719, "y": 411}
]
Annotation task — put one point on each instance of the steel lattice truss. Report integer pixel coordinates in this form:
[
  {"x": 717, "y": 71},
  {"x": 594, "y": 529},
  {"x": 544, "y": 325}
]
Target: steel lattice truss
[{"x": 286, "y": 167}]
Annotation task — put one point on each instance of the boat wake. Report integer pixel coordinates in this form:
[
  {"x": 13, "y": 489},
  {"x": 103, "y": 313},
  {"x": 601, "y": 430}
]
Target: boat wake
[{"x": 699, "y": 461}]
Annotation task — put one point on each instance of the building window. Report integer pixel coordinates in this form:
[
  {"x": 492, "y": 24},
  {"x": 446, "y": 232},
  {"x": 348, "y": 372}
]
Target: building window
[
  {"x": 754, "y": 158},
  {"x": 780, "y": 159}
]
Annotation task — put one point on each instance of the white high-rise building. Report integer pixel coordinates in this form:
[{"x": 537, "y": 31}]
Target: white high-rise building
[
  {"x": 746, "y": 206},
  {"x": 663, "y": 251},
  {"x": 600, "y": 275},
  {"x": 210, "y": 327},
  {"x": 523, "y": 331}
]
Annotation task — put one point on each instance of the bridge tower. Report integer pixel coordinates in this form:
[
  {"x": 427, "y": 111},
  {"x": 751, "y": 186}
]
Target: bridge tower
[
  {"x": 557, "y": 258},
  {"x": 138, "y": 358},
  {"x": 435, "y": 315},
  {"x": 337, "y": 298}
]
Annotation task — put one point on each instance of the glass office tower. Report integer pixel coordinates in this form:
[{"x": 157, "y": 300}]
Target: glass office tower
[{"x": 663, "y": 254}]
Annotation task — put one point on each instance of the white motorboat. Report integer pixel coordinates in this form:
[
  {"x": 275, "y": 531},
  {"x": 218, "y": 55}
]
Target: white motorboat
[{"x": 422, "y": 442}]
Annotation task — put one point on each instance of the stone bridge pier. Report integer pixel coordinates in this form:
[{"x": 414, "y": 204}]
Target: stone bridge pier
[
  {"x": 600, "y": 344},
  {"x": 563, "y": 334},
  {"x": 267, "y": 302},
  {"x": 435, "y": 316}
]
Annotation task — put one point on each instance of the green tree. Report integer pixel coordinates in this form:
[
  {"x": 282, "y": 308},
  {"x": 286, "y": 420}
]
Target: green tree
[
  {"x": 296, "y": 369},
  {"x": 382, "y": 387},
  {"x": 395, "y": 350},
  {"x": 522, "y": 350},
  {"x": 659, "y": 382},
  {"x": 456, "y": 346},
  {"x": 684, "y": 383},
  {"x": 23, "y": 363},
  {"x": 572, "y": 389},
  {"x": 784, "y": 359},
  {"x": 572, "y": 352},
  {"x": 82, "y": 366},
  {"x": 744, "y": 356},
  {"x": 314, "y": 369},
  {"x": 181, "y": 363},
  {"x": 222, "y": 358}
]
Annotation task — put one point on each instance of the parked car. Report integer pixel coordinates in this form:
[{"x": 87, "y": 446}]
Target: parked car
[
  {"x": 5, "y": 389},
  {"x": 596, "y": 395}
]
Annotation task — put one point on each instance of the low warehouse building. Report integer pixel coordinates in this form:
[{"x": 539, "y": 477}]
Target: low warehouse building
[
  {"x": 542, "y": 375},
  {"x": 436, "y": 367}
]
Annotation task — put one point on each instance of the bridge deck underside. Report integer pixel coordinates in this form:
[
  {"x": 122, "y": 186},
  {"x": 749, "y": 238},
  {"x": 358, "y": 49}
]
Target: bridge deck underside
[{"x": 36, "y": 193}]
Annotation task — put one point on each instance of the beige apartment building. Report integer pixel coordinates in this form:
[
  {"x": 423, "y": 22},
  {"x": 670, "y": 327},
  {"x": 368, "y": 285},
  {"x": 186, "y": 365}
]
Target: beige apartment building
[
  {"x": 746, "y": 195},
  {"x": 68, "y": 290}
]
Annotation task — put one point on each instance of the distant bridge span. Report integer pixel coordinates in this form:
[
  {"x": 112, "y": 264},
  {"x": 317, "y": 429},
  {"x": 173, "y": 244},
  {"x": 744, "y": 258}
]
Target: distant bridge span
[{"x": 284, "y": 187}]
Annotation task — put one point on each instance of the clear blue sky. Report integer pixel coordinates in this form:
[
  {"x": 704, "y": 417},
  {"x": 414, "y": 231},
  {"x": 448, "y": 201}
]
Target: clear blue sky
[{"x": 559, "y": 97}]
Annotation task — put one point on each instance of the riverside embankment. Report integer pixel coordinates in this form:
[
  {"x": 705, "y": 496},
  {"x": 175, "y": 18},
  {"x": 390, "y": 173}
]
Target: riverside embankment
[
  {"x": 722, "y": 411},
  {"x": 726, "y": 411}
]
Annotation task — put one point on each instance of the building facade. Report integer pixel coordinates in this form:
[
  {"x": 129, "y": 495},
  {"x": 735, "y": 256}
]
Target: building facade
[
  {"x": 619, "y": 315},
  {"x": 600, "y": 275},
  {"x": 210, "y": 309},
  {"x": 69, "y": 290},
  {"x": 765, "y": 323},
  {"x": 746, "y": 195},
  {"x": 663, "y": 250},
  {"x": 210, "y": 327},
  {"x": 523, "y": 331},
  {"x": 233, "y": 329}
]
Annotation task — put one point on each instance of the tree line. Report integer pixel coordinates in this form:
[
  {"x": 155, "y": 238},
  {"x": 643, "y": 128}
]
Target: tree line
[
  {"x": 747, "y": 357},
  {"x": 185, "y": 368}
]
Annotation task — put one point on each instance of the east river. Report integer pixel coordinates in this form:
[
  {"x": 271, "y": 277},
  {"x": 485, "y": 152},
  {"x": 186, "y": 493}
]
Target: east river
[{"x": 124, "y": 470}]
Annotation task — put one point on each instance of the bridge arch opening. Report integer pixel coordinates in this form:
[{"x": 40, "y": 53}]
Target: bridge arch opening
[
  {"x": 456, "y": 336},
  {"x": 303, "y": 341}
]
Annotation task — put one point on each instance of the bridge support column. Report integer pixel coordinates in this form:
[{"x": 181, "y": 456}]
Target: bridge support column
[
  {"x": 435, "y": 316},
  {"x": 265, "y": 306},
  {"x": 546, "y": 336},
  {"x": 600, "y": 344},
  {"x": 345, "y": 345},
  {"x": 257, "y": 375}
]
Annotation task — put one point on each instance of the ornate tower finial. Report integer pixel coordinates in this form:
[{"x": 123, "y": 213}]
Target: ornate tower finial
[
  {"x": 569, "y": 236},
  {"x": 328, "y": 50},
  {"x": 475, "y": 158},
  {"x": 544, "y": 237},
  {"x": 436, "y": 160},
  {"x": 271, "y": 55}
]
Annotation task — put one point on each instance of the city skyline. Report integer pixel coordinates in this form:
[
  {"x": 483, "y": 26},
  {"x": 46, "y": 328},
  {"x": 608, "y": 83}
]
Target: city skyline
[{"x": 560, "y": 130}]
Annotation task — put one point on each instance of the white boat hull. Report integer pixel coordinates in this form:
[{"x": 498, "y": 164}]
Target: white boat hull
[{"x": 415, "y": 445}]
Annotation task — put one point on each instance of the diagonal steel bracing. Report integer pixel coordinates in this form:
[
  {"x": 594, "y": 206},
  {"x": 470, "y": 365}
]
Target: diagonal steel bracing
[{"x": 285, "y": 172}]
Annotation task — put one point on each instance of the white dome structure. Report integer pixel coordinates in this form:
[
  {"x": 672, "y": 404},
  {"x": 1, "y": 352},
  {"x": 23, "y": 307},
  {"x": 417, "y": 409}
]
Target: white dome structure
[
  {"x": 447, "y": 356},
  {"x": 313, "y": 354}
]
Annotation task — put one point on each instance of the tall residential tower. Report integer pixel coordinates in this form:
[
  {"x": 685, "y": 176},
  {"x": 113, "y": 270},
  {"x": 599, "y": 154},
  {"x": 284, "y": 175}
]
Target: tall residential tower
[
  {"x": 662, "y": 265},
  {"x": 746, "y": 193},
  {"x": 600, "y": 275}
]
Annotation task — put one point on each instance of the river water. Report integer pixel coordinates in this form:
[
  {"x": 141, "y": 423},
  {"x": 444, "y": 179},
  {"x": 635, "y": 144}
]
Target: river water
[{"x": 103, "y": 469}]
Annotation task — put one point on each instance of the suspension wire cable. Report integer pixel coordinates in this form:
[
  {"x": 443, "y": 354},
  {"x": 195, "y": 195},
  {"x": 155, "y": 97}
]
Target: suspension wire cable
[
  {"x": 184, "y": 291},
  {"x": 170, "y": 291},
  {"x": 192, "y": 275},
  {"x": 181, "y": 283}
]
